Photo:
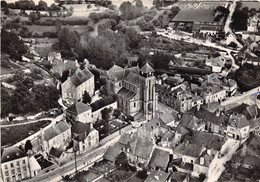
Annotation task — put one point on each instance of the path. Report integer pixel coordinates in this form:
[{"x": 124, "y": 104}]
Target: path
[{"x": 217, "y": 167}]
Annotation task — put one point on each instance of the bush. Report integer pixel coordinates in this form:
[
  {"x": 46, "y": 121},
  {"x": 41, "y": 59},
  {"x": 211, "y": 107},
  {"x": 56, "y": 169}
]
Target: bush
[
  {"x": 103, "y": 102},
  {"x": 142, "y": 174},
  {"x": 147, "y": 27}
]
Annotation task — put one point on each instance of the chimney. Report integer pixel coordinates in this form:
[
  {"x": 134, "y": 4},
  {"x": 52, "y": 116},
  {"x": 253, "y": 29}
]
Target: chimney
[
  {"x": 91, "y": 125},
  {"x": 202, "y": 161},
  {"x": 209, "y": 151},
  {"x": 218, "y": 112},
  {"x": 70, "y": 73},
  {"x": 198, "y": 106}
]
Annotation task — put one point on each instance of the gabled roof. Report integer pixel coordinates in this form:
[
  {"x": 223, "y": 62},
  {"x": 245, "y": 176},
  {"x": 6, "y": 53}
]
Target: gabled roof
[
  {"x": 113, "y": 151},
  {"x": 12, "y": 153},
  {"x": 248, "y": 111},
  {"x": 190, "y": 121},
  {"x": 157, "y": 176},
  {"x": 188, "y": 149},
  {"x": 168, "y": 136},
  {"x": 114, "y": 69},
  {"x": 238, "y": 121},
  {"x": 160, "y": 158},
  {"x": 55, "y": 130},
  {"x": 133, "y": 78},
  {"x": 181, "y": 130},
  {"x": 79, "y": 128},
  {"x": 126, "y": 138},
  {"x": 155, "y": 123},
  {"x": 147, "y": 68},
  {"x": 210, "y": 117},
  {"x": 141, "y": 147},
  {"x": 252, "y": 160},
  {"x": 34, "y": 165},
  {"x": 78, "y": 108},
  {"x": 80, "y": 76},
  {"x": 126, "y": 94},
  {"x": 55, "y": 152},
  {"x": 208, "y": 140}
]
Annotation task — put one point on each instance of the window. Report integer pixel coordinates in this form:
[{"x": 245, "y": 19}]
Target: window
[
  {"x": 89, "y": 143},
  {"x": 6, "y": 167},
  {"x": 19, "y": 170},
  {"x": 7, "y": 179},
  {"x": 6, "y": 173},
  {"x": 13, "y": 172},
  {"x": 18, "y": 163},
  {"x": 24, "y": 168},
  {"x": 11, "y": 164},
  {"x": 134, "y": 104},
  {"x": 23, "y": 161}
]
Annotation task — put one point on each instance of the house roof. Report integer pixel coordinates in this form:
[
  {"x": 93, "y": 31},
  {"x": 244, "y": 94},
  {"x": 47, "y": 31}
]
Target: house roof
[
  {"x": 160, "y": 158},
  {"x": 55, "y": 152},
  {"x": 181, "y": 130},
  {"x": 78, "y": 108},
  {"x": 238, "y": 121},
  {"x": 114, "y": 69},
  {"x": 147, "y": 68},
  {"x": 208, "y": 140},
  {"x": 248, "y": 111},
  {"x": 79, "y": 128},
  {"x": 55, "y": 130},
  {"x": 253, "y": 147},
  {"x": 133, "y": 78},
  {"x": 157, "y": 176},
  {"x": 210, "y": 117},
  {"x": 168, "y": 136},
  {"x": 177, "y": 177},
  {"x": 34, "y": 165},
  {"x": 252, "y": 160},
  {"x": 196, "y": 15},
  {"x": 188, "y": 149},
  {"x": 12, "y": 153},
  {"x": 141, "y": 147},
  {"x": 80, "y": 76},
  {"x": 155, "y": 123},
  {"x": 113, "y": 151},
  {"x": 189, "y": 121},
  {"x": 126, "y": 138}
]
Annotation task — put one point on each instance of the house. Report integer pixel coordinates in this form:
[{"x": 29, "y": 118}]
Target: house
[
  {"x": 252, "y": 60},
  {"x": 57, "y": 136},
  {"x": 57, "y": 155},
  {"x": 180, "y": 133},
  {"x": 84, "y": 137},
  {"x": 158, "y": 176},
  {"x": 216, "y": 63},
  {"x": 191, "y": 122},
  {"x": 14, "y": 164},
  {"x": 178, "y": 177},
  {"x": 214, "y": 94},
  {"x": 61, "y": 66},
  {"x": 112, "y": 152},
  {"x": 189, "y": 153},
  {"x": 211, "y": 142},
  {"x": 253, "y": 23},
  {"x": 238, "y": 127},
  {"x": 202, "y": 164},
  {"x": 80, "y": 112},
  {"x": 34, "y": 166},
  {"x": 152, "y": 129},
  {"x": 53, "y": 55},
  {"x": 75, "y": 86},
  {"x": 135, "y": 89},
  {"x": 253, "y": 147},
  {"x": 230, "y": 86},
  {"x": 139, "y": 151},
  {"x": 169, "y": 139},
  {"x": 159, "y": 160}
]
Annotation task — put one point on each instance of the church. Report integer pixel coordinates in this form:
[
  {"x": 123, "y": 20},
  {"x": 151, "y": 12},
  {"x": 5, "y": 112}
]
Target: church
[{"x": 135, "y": 89}]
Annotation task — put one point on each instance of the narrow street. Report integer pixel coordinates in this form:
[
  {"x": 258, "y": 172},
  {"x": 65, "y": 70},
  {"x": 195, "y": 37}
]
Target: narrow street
[{"x": 217, "y": 167}]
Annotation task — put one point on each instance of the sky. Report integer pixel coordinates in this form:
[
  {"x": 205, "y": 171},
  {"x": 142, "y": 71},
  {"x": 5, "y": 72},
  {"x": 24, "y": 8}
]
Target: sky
[{"x": 49, "y": 2}]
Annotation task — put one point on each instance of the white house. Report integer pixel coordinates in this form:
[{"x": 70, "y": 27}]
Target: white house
[
  {"x": 80, "y": 112},
  {"x": 75, "y": 86}
]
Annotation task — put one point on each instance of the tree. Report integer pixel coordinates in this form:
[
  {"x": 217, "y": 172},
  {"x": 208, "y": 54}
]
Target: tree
[
  {"x": 11, "y": 44},
  {"x": 28, "y": 145},
  {"x": 86, "y": 98},
  {"x": 42, "y": 5},
  {"x": 6, "y": 103},
  {"x": 33, "y": 16},
  {"x": 3, "y": 4},
  {"x": 202, "y": 177},
  {"x": 121, "y": 161},
  {"x": 116, "y": 113},
  {"x": 142, "y": 174}
]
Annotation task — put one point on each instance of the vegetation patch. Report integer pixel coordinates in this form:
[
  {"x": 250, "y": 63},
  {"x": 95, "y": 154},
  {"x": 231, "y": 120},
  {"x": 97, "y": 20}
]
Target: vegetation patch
[{"x": 13, "y": 134}]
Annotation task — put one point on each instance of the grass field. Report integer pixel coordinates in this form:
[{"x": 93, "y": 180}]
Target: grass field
[
  {"x": 12, "y": 135},
  {"x": 40, "y": 29},
  {"x": 251, "y": 5}
]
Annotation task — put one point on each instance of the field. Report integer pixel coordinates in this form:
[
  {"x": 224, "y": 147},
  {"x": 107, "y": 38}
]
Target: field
[
  {"x": 251, "y": 5},
  {"x": 40, "y": 29},
  {"x": 13, "y": 134},
  {"x": 45, "y": 46}
]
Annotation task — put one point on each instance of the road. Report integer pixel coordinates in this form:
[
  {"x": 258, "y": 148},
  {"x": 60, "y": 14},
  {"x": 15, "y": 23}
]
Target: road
[
  {"x": 243, "y": 97},
  {"x": 217, "y": 167}
]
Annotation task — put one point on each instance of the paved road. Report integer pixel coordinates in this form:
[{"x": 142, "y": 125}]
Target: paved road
[
  {"x": 243, "y": 97},
  {"x": 217, "y": 167}
]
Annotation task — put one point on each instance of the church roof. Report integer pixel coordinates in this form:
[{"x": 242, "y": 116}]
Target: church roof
[
  {"x": 126, "y": 94},
  {"x": 147, "y": 68}
]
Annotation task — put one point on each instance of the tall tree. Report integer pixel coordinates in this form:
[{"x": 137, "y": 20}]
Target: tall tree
[
  {"x": 28, "y": 145},
  {"x": 86, "y": 98},
  {"x": 42, "y": 5}
]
